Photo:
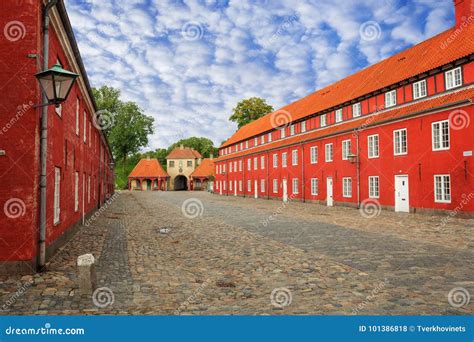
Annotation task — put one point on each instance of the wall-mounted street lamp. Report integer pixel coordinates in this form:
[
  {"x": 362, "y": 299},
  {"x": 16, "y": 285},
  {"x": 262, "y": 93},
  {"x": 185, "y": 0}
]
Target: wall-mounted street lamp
[{"x": 56, "y": 84}]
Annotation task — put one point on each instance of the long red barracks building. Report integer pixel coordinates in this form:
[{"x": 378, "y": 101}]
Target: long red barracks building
[
  {"x": 79, "y": 176},
  {"x": 398, "y": 134}
]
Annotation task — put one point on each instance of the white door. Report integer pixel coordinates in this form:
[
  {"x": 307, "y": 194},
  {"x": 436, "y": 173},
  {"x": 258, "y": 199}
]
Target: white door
[
  {"x": 285, "y": 191},
  {"x": 329, "y": 198},
  {"x": 401, "y": 194},
  {"x": 255, "y": 185},
  {"x": 235, "y": 188}
]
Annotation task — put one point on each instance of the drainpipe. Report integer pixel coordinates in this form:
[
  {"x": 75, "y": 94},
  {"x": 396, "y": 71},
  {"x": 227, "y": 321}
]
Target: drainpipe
[
  {"x": 358, "y": 169},
  {"x": 43, "y": 144},
  {"x": 268, "y": 176},
  {"x": 303, "y": 188}
]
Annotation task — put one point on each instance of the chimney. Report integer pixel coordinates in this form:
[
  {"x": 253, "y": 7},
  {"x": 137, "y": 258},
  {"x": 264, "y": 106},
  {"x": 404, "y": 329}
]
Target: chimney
[
  {"x": 464, "y": 12},
  {"x": 181, "y": 147}
]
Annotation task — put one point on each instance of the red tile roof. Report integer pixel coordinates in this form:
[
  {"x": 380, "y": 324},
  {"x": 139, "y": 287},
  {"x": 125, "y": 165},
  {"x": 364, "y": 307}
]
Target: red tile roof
[
  {"x": 363, "y": 122},
  {"x": 206, "y": 169},
  {"x": 183, "y": 153},
  {"x": 148, "y": 168},
  {"x": 421, "y": 58}
]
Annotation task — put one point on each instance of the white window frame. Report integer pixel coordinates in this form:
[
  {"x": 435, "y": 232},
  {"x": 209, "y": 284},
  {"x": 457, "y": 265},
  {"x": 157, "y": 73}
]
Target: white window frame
[
  {"x": 329, "y": 152},
  {"x": 283, "y": 132},
  {"x": 346, "y": 149},
  {"x": 255, "y": 141},
  {"x": 249, "y": 185},
  {"x": 295, "y": 186},
  {"x": 275, "y": 160},
  {"x": 246, "y": 144},
  {"x": 284, "y": 159},
  {"x": 391, "y": 98},
  {"x": 262, "y": 185},
  {"x": 303, "y": 126},
  {"x": 339, "y": 115},
  {"x": 240, "y": 165},
  {"x": 57, "y": 195},
  {"x": 275, "y": 186},
  {"x": 445, "y": 196},
  {"x": 292, "y": 129},
  {"x": 262, "y": 139},
  {"x": 240, "y": 185},
  {"x": 314, "y": 186},
  {"x": 76, "y": 191},
  {"x": 373, "y": 147},
  {"x": 262, "y": 162},
  {"x": 294, "y": 157},
  {"x": 323, "y": 120},
  {"x": 313, "y": 152},
  {"x": 419, "y": 89},
  {"x": 347, "y": 187},
  {"x": 356, "y": 110},
  {"x": 78, "y": 105},
  {"x": 89, "y": 189},
  {"x": 398, "y": 143},
  {"x": 230, "y": 185},
  {"x": 437, "y": 131},
  {"x": 249, "y": 164},
  {"x": 270, "y": 137},
  {"x": 451, "y": 80},
  {"x": 374, "y": 187},
  {"x": 255, "y": 163},
  {"x": 85, "y": 127}
]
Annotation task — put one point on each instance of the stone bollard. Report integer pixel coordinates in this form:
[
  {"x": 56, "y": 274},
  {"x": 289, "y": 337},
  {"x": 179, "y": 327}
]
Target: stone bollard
[{"x": 87, "y": 277}]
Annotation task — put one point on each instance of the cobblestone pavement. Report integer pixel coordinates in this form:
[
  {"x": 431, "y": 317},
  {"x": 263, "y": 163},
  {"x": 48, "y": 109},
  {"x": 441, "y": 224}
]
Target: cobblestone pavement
[{"x": 230, "y": 255}]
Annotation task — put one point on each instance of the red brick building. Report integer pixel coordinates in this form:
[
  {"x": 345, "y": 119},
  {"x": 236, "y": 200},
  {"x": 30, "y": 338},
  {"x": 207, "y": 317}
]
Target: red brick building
[
  {"x": 79, "y": 174},
  {"x": 398, "y": 134}
]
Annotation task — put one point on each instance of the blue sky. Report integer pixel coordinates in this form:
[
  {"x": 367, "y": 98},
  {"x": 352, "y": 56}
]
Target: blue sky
[{"x": 187, "y": 63}]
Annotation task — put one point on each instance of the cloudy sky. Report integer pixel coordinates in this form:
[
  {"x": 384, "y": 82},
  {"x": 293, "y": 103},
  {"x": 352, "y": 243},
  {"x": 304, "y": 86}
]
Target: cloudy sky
[{"x": 187, "y": 63}]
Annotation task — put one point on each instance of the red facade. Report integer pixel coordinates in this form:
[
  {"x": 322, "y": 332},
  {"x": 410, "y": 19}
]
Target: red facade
[
  {"x": 432, "y": 120},
  {"x": 76, "y": 147}
]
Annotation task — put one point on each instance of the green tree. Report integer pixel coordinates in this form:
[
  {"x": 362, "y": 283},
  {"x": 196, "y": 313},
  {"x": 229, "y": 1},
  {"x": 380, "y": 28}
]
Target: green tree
[
  {"x": 204, "y": 146},
  {"x": 249, "y": 110}
]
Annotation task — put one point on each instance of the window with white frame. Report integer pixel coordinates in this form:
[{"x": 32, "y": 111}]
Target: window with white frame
[
  {"x": 57, "y": 194},
  {"x": 373, "y": 146},
  {"x": 230, "y": 185},
  {"x": 223, "y": 166},
  {"x": 275, "y": 186},
  {"x": 390, "y": 98},
  {"x": 85, "y": 127},
  {"x": 240, "y": 185},
  {"x": 255, "y": 163},
  {"x": 282, "y": 132},
  {"x": 241, "y": 146},
  {"x": 255, "y": 141},
  {"x": 329, "y": 152},
  {"x": 235, "y": 166},
  {"x": 303, "y": 126},
  {"x": 225, "y": 185},
  {"x": 262, "y": 162},
  {"x": 246, "y": 144},
  {"x": 313, "y": 151},
  {"x": 419, "y": 89},
  {"x": 283, "y": 159},
  {"x": 400, "y": 142},
  {"x": 356, "y": 110},
  {"x": 77, "y": 115},
  {"x": 442, "y": 188},
  {"x": 270, "y": 137},
  {"x": 240, "y": 165},
  {"x": 76, "y": 191},
  {"x": 249, "y": 164},
  {"x": 374, "y": 191},
  {"x": 338, "y": 115},
  {"x": 262, "y": 139},
  {"x": 230, "y": 167},
  {"x": 295, "y": 188},
  {"x": 89, "y": 189},
  {"x": 322, "y": 120},
  {"x": 440, "y": 135},
  {"x": 314, "y": 186},
  {"x": 294, "y": 157},
  {"x": 90, "y": 135},
  {"x": 249, "y": 185},
  {"x": 347, "y": 187},
  {"x": 346, "y": 149},
  {"x": 453, "y": 78},
  {"x": 292, "y": 130},
  {"x": 275, "y": 160},
  {"x": 262, "y": 185}
]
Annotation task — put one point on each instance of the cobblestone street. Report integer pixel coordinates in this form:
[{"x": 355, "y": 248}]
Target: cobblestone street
[{"x": 229, "y": 255}]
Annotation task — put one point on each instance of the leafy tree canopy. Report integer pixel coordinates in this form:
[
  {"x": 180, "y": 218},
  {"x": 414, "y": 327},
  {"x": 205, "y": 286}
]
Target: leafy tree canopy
[{"x": 249, "y": 110}]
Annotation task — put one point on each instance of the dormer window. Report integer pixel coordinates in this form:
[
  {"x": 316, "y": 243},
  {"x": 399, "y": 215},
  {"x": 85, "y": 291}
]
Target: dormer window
[
  {"x": 453, "y": 78},
  {"x": 339, "y": 115},
  {"x": 390, "y": 98},
  {"x": 419, "y": 89},
  {"x": 322, "y": 120},
  {"x": 356, "y": 110}
]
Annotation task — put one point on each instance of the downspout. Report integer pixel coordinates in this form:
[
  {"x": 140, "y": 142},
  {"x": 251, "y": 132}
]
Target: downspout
[
  {"x": 358, "y": 169},
  {"x": 303, "y": 188},
  {"x": 43, "y": 143},
  {"x": 268, "y": 176},
  {"x": 244, "y": 186}
]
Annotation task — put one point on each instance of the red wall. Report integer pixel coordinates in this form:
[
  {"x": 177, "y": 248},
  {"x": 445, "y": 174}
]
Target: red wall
[{"x": 19, "y": 168}]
